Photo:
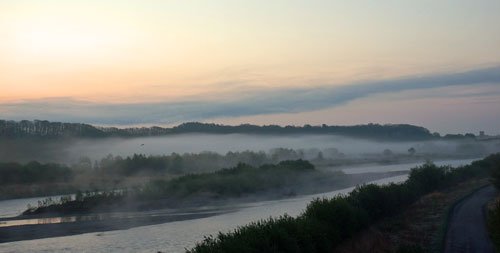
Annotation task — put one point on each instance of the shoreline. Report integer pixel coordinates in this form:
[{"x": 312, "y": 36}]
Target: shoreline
[
  {"x": 38, "y": 231},
  {"x": 197, "y": 201}
]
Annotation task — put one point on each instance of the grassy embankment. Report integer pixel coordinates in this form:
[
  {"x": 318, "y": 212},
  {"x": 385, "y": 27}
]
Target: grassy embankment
[
  {"x": 419, "y": 228},
  {"x": 327, "y": 223},
  {"x": 494, "y": 212},
  {"x": 494, "y": 223}
]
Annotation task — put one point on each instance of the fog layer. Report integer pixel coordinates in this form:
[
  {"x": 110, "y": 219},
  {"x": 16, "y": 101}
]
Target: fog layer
[{"x": 95, "y": 149}]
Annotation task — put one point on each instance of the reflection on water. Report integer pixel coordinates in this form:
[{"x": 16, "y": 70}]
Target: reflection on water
[
  {"x": 14, "y": 207},
  {"x": 39, "y": 221},
  {"x": 179, "y": 235},
  {"x": 173, "y": 236},
  {"x": 116, "y": 216},
  {"x": 52, "y": 220}
]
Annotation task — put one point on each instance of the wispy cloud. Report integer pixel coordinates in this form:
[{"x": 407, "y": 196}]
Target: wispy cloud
[{"x": 256, "y": 103}]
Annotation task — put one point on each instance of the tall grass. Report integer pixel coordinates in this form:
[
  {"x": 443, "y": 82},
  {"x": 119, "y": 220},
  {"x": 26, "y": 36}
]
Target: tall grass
[
  {"x": 494, "y": 214},
  {"x": 494, "y": 224}
]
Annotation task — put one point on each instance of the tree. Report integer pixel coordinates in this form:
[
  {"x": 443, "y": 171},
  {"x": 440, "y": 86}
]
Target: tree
[
  {"x": 388, "y": 152},
  {"x": 496, "y": 176},
  {"x": 412, "y": 151},
  {"x": 177, "y": 164},
  {"x": 320, "y": 156}
]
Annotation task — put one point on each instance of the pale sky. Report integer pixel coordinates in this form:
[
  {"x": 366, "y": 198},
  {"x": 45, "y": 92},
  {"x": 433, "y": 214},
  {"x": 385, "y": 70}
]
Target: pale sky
[{"x": 429, "y": 63}]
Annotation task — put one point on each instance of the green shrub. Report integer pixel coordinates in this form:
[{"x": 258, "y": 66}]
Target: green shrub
[
  {"x": 494, "y": 224},
  {"x": 495, "y": 174},
  {"x": 33, "y": 172},
  {"x": 340, "y": 218},
  {"x": 427, "y": 178},
  {"x": 410, "y": 249},
  {"x": 327, "y": 222},
  {"x": 380, "y": 201},
  {"x": 234, "y": 182}
]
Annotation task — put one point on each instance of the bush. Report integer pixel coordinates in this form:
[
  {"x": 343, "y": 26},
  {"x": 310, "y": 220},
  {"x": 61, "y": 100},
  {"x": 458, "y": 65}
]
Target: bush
[
  {"x": 380, "y": 201},
  {"x": 410, "y": 249},
  {"x": 327, "y": 222},
  {"x": 338, "y": 216},
  {"x": 34, "y": 172},
  {"x": 495, "y": 174},
  {"x": 234, "y": 182},
  {"x": 494, "y": 224},
  {"x": 428, "y": 177}
]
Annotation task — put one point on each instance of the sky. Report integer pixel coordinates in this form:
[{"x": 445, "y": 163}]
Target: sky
[{"x": 430, "y": 63}]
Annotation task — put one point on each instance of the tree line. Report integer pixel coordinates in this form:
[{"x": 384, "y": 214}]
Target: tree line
[
  {"x": 199, "y": 162},
  {"x": 47, "y": 129},
  {"x": 34, "y": 172}
]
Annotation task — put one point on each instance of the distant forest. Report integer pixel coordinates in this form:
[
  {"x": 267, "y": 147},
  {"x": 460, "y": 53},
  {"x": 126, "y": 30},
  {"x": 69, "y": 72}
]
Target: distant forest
[{"x": 47, "y": 129}]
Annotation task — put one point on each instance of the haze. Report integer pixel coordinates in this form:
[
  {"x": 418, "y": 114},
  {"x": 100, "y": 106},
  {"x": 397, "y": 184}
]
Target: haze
[{"x": 71, "y": 151}]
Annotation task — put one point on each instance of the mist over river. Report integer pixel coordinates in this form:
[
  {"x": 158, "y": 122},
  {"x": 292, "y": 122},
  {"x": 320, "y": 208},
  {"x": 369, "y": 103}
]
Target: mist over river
[
  {"x": 70, "y": 151},
  {"x": 179, "y": 235}
]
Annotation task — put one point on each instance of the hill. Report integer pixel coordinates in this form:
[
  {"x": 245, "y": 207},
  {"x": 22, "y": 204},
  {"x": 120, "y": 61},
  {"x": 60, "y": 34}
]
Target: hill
[{"x": 46, "y": 129}]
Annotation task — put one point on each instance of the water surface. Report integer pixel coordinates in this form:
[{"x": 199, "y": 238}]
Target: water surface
[
  {"x": 179, "y": 235},
  {"x": 173, "y": 236}
]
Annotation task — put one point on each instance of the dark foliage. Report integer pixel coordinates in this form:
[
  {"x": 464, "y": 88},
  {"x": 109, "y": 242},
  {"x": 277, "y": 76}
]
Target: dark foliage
[
  {"x": 226, "y": 183},
  {"x": 494, "y": 224},
  {"x": 493, "y": 161},
  {"x": 33, "y": 172},
  {"x": 177, "y": 163},
  {"x": 235, "y": 182},
  {"x": 83, "y": 202},
  {"x": 496, "y": 176},
  {"x": 46, "y": 129},
  {"x": 398, "y": 131},
  {"x": 193, "y": 163},
  {"x": 43, "y": 128},
  {"x": 326, "y": 222}
]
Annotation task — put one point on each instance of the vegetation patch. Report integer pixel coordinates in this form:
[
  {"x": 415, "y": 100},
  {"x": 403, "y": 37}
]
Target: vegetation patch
[
  {"x": 494, "y": 224},
  {"x": 494, "y": 211},
  {"x": 419, "y": 228},
  {"x": 37, "y": 179},
  {"x": 33, "y": 172},
  {"x": 286, "y": 178},
  {"x": 326, "y": 223},
  {"x": 46, "y": 129}
]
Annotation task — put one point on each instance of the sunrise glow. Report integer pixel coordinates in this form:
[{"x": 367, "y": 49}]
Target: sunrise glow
[{"x": 174, "y": 51}]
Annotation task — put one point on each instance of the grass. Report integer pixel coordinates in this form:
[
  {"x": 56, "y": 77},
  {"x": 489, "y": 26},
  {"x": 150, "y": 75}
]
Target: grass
[
  {"x": 419, "y": 228},
  {"x": 494, "y": 223},
  {"x": 494, "y": 210}
]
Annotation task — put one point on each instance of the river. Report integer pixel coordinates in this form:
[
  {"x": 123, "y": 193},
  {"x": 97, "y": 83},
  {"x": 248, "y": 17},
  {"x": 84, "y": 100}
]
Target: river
[{"x": 179, "y": 235}]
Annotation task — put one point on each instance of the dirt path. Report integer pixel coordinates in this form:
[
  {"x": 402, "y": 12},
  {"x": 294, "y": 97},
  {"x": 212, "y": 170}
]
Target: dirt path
[{"x": 467, "y": 230}]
